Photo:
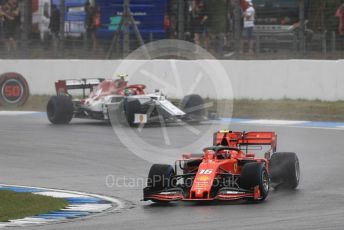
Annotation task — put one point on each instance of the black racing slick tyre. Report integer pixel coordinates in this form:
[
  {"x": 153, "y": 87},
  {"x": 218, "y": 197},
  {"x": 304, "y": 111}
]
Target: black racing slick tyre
[
  {"x": 193, "y": 106},
  {"x": 285, "y": 170},
  {"x": 160, "y": 177},
  {"x": 130, "y": 108},
  {"x": 253, "y": 174},
  {"x": 60, "y": 110}
]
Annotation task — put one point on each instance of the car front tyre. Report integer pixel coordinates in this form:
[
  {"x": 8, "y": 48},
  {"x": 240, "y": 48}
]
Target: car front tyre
[{"x": 255, "y": 174}]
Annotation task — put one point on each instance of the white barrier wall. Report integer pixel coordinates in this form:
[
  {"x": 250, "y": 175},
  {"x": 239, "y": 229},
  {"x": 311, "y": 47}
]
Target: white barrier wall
[{"x": 294, "y": 79}]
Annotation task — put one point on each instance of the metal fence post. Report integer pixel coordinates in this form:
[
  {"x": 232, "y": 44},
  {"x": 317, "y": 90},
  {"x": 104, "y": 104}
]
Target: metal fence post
[
  {"x": 324, "y": 44},
  {"x": 151, "y": 36},
  {"x": 62, "y": 26},
  {"x": 257, "y": 43},
  {"x": 126, "y": 36},
  {"x": 181, "y": 19},
  {"x": 237, "y": 28},
  {"x": 295, "y": 43},
  {"x": 302, "y": 27},
  {"x": 27, "y": 22},
  {"x": 333, "y": 41}
]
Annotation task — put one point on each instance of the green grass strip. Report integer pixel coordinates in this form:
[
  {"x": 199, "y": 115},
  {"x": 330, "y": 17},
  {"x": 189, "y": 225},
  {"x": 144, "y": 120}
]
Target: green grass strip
[{"x": 19, "y": 205}]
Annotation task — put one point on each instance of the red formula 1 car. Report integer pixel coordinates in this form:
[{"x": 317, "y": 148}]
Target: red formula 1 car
[{"x": 225, "y": 171}]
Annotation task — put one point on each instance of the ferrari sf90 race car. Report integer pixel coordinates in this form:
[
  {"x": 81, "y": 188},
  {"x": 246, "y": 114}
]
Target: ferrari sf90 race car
[
  {"x": 225, "y": 171},
  {"x": 116, "y": 100}
]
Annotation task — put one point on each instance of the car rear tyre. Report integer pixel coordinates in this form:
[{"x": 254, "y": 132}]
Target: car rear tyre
[
  {"x": 285, "y": 170},
  {"x": 193, "y": 106},
  {"x": 60, "y": 110},
  {"x": 254, "y": 174}
]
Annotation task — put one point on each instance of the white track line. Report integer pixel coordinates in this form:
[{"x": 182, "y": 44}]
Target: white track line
[
  {"x": 274, "y": 122},
  {"x": 15, "y": 113}
]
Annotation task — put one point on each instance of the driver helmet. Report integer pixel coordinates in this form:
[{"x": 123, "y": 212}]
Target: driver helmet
[
  {"x": 209, "y": 154},
  {"x": 119, "y": 82},
  {"x": 122, "y": 76}
]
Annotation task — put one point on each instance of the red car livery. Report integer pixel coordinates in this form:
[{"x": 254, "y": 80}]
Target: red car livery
[{"x": 225, "y": 171}]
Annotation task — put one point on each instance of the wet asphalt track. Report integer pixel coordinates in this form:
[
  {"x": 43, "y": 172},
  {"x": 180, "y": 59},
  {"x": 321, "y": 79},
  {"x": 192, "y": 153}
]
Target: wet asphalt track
[{"x": 80, "y": 156}]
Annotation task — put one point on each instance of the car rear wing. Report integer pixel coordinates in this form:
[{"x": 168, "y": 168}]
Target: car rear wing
[
  {"x": 237, "y": 139},
  {"x": 62, "y": 86}
]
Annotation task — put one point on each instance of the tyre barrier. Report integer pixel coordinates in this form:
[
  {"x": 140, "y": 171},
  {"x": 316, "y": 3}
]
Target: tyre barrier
[{"x": 14, "y": 89}]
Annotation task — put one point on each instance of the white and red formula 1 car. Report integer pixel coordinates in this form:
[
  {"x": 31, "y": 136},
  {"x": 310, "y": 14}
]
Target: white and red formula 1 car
[{"x": 118, "y": 99}]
